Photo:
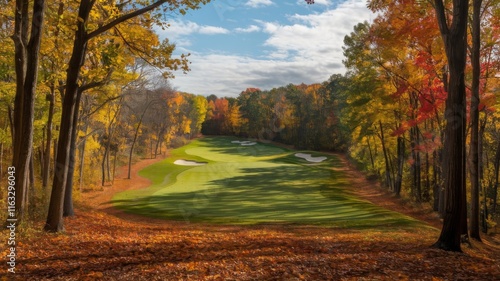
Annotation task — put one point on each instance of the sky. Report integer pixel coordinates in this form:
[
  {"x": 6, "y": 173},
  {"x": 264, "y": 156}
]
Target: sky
[{"x": 238, "y": 44}]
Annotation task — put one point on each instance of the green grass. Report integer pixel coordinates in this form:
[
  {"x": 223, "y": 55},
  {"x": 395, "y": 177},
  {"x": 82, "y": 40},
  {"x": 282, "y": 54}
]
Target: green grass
[{"x": 253, "y": 184}]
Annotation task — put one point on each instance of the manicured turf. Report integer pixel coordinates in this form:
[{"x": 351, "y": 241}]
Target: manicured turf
[{"x": 252, "y": 184}]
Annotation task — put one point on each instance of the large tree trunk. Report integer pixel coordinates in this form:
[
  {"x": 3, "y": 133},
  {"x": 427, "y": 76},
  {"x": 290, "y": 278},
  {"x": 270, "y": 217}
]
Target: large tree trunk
[
  {"x": 55, "y": 215},
  {"x": 474, "y": 113},
  {"x": 26, "y": 65},
  {"x": 455, "y": 40}
]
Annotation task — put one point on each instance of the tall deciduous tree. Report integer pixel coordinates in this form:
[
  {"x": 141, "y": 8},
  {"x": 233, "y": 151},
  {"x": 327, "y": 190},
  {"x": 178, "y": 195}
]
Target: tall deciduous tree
[
  {"x": 454, "y": 34},
  {"x": 27, "y": 39},
  {"x": 474, "y": 113}
]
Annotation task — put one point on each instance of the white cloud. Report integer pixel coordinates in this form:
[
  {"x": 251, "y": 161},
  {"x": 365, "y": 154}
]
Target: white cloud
[
  {"x": 229, "y": 75},
  {"x": 310, "y": 36},
  {"x": 258, "y": 3},
  {"x": 178, "y": 29},
  {"x": 307, "y": 50},
  {"x": 251, "y": 28},
  {"x": 212, "y": 30}
]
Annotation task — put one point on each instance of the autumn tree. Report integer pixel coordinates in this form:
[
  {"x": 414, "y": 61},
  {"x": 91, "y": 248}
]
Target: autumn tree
[
  {"x": 198, "y": 113},
  {"x": 28, "y": 30},
  {"x": 86, "y": 30},
  {"x": 454, "y": 34},
  {"x": 474, "y": 113}
]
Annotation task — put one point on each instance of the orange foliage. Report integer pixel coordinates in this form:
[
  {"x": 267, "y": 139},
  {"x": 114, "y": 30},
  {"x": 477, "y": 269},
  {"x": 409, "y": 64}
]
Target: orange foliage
[{"x": 110, "y": 245}]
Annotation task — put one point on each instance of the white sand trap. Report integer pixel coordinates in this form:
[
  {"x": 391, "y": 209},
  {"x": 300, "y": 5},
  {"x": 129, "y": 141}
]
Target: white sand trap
[
  {"x": 182, "y": 162},
  {"x": 244, "y": 143},
  {"x": 309, "y": 158}
]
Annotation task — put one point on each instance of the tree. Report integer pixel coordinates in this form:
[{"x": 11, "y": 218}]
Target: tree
[
  {"x": 454, "y": 35},
  {"x": 27, "y": 40},
  {"x": 474, "y": 112},
  {"x": 85, "y": 31},
  {"x": 198, "y": 113},
  {"x": 144, "y": 108}
]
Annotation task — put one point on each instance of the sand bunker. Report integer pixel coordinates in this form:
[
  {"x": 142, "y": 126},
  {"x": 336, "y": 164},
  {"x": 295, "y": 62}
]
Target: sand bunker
[
  {"x": 182, "y": 162},
  {"x": 245, "y": 143},
  {"x": 309, "y": 158}
]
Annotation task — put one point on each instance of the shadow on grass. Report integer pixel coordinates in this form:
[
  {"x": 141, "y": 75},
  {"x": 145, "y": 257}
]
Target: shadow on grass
[{"x": 290, "y": 194}]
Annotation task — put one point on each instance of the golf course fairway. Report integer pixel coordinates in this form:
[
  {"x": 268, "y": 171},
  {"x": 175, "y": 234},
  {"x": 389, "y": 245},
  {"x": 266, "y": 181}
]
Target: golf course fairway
[{"x": 237, "y": 182}]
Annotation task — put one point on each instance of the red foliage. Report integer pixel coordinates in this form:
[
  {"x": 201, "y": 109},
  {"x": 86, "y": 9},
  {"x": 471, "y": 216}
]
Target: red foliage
[{"x": 251, "y": 90}]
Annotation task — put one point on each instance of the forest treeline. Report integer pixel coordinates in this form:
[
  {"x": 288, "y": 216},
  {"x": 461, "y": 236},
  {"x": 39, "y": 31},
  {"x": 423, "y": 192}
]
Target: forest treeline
[
  {"x": 78, "y": 98},
  {"x": 305, "y": 116}
]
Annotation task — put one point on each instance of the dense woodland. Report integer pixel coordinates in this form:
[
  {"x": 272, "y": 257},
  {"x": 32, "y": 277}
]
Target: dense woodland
[{"x": 79, "y": 96}]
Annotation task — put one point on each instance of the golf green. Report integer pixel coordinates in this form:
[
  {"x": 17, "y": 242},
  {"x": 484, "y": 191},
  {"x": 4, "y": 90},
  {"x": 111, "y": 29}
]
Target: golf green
[{"x": 241, "y": 183}]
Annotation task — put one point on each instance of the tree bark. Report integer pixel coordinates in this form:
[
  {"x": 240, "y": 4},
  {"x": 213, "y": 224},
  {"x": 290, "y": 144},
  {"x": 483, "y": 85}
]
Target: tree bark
[
  {"x": 496, "y": 165},
  {"x": 103, "y": 164},
  {"x": 455, "y": 42},
  {"x": 55, "y": 215},
  {"x": 114, "y": 168},
  {"x": 435, "y": 185},
  {"x": 474, "y": 115},
  {"x": 427, "y": 186},
  {"x": 82, "y": 150},
  {"x": 388, "y": 180},
  {"x": 401, "y": 160},
  {"x": 48, "y": 143},
  {"x": 108, "y": 169},
  {"x": 416, "y": 167},
  {"x": 68, "y": 210},
  {"x": 26, "y": 66}
]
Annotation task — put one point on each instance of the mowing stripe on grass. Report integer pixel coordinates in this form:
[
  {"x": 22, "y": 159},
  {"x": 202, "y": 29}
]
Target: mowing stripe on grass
[{"x": 252, "y": 184}]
